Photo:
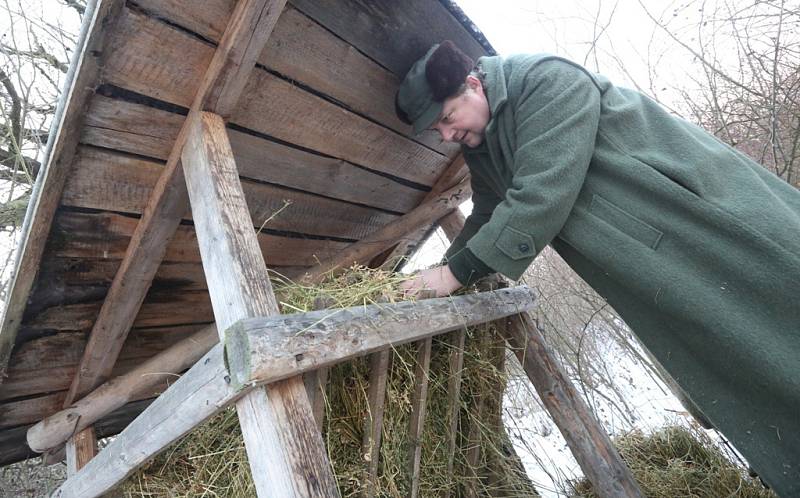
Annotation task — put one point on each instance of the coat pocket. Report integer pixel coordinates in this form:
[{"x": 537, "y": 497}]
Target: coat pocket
[
  {"x": 515, "y": 244},
  {"x": 625, "y": 222}
]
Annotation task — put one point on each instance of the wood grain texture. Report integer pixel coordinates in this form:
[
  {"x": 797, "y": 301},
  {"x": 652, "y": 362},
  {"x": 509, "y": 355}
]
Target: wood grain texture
[
  {"x": 275, "y": 107},
  {"x": 299, "y": 49},
  {"x": 48, "y": 363},
  {"x": 81, "y": 448},
  {"x": 285, "y": 449},
  {"x": 196, "y": 396},
  {"x": 419, "y": 404},
  {"x": 107, "y": 181},
  {"x": 223, "y": 78},
  {"x": 130, "y": 127},
  {"x": 249, "y": 28},
  {"x": 585, "y": 437},
  {"x": 316, "y": 383},
  {"x": 105, "y": 236},
  {"x": 266, "y": 349},
  {"x": 381, "y": 29},
  {"x": 271, "y": 105},
  {"x": 159, "y": 311},
  {"x": 203, "y": 390},
  {"x": 31, "y": 410},
  {"x": 387, "y": 236},
  {"x": 373, "y": 421},
  {"x": 100, "y": 21},
  {"x": 115, "y": 393}
]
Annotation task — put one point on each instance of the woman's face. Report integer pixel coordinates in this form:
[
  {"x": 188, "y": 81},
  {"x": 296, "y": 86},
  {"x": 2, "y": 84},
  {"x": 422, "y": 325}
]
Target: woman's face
[{"x": 464, "y": 117}]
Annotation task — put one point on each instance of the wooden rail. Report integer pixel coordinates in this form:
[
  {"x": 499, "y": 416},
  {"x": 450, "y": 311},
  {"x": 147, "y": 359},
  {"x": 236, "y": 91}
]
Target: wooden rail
[{"x": 305, "y": 342}]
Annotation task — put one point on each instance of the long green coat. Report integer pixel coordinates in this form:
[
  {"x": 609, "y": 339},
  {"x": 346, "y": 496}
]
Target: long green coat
[{"x": 694, "y": 244}]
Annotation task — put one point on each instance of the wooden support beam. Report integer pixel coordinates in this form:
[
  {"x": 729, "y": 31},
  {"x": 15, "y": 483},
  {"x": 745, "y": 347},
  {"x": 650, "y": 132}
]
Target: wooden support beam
[
  {"x": 304, "y": 342},
  {"x": 373, "y": 422},
  {"x": 590, "y": 444},
  {"x": 81, "y": 448},
  {"x": 286, "y": 453},
  {"x": 245, "y": 36},
  {"x": 452, "y": 224},
  {"x": 385, "y": 237},
  {"x": 455, "y": 173},
  {"x": 193, "y": 398},
  {"x": 57, "y": 428},
  {"x": 265, "y": 349},
  {"x": 419, "y": 403}
]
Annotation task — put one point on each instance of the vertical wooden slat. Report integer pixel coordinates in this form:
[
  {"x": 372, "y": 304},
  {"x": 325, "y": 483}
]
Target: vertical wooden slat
[
  {"x": 81, "y": 448},
  {"x": 418, "y": 406},
  {"x": 286, "y": 452},
  {"x": 373, "y": 422},
  {"x": 315, "y": 383},
  {"x": 476, "y": 427},
  {"x": 585, "y": 437},
  {"x": 457, "y": 343}
]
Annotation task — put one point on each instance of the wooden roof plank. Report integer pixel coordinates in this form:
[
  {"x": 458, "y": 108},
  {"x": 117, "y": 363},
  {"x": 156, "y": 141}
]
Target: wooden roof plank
[
  {"x": 48, "y": 363},
  {"x": 32, "y": 410},
  {"x": 393, "y": 33},
  {"x": 65, "y": 135},
  {"x": 145, "y": 131},
  {"x": 303, "y": 51},
  {"x": 107, "y": 235},
  {"x": 187, "y": 307},
  {"x": 104, "y": 181},
  {"x": 248, "y": 29},
  {"x": 270, "y": 104}
]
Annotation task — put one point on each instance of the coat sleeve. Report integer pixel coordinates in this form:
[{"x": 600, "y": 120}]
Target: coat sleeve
[{"x": 555, "y": 119}]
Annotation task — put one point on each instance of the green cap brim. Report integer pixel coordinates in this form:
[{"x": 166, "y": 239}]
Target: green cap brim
[{"x": 428, "y": 117}]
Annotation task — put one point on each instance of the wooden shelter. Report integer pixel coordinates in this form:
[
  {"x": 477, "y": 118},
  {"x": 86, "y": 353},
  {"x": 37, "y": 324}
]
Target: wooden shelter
[{"x": 275, "y": 123}]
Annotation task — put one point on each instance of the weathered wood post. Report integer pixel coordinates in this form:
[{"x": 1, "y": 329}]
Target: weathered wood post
[{"x": 286, "y": 452}]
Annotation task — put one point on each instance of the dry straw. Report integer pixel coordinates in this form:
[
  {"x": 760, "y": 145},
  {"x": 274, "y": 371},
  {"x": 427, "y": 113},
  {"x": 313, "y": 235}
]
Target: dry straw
[
  {"x": 681, "y": 462},
  {"x": 212, "y": 462}
]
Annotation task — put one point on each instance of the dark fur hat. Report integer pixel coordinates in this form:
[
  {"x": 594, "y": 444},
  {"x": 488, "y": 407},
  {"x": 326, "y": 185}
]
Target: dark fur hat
[{"x": 446, "y": 70}]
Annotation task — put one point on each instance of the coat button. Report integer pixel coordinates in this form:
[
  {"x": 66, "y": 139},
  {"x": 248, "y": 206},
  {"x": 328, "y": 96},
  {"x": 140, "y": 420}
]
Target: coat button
[{"x": 524, "y": 248}]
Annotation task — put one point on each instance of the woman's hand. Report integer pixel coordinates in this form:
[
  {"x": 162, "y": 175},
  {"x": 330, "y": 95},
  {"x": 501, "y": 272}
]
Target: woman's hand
[{"x": 439, "y": 279}]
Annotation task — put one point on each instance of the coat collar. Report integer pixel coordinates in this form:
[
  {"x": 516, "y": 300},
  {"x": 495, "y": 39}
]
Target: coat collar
[{"x": 496, "y": 91}]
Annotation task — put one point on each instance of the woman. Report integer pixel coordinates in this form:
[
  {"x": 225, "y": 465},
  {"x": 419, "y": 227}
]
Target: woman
[{"x": 694, "y": 244}]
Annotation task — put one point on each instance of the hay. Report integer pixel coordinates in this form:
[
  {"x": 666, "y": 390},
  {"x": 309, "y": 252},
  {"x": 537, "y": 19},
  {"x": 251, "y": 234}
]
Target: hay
[
  {"x": 211, "y": 461},
  {"x": 676, "y": 461}
]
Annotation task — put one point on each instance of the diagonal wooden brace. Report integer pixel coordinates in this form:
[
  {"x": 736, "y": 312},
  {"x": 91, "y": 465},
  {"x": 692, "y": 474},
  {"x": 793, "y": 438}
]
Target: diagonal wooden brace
[{"x": 306, "y": 342}]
